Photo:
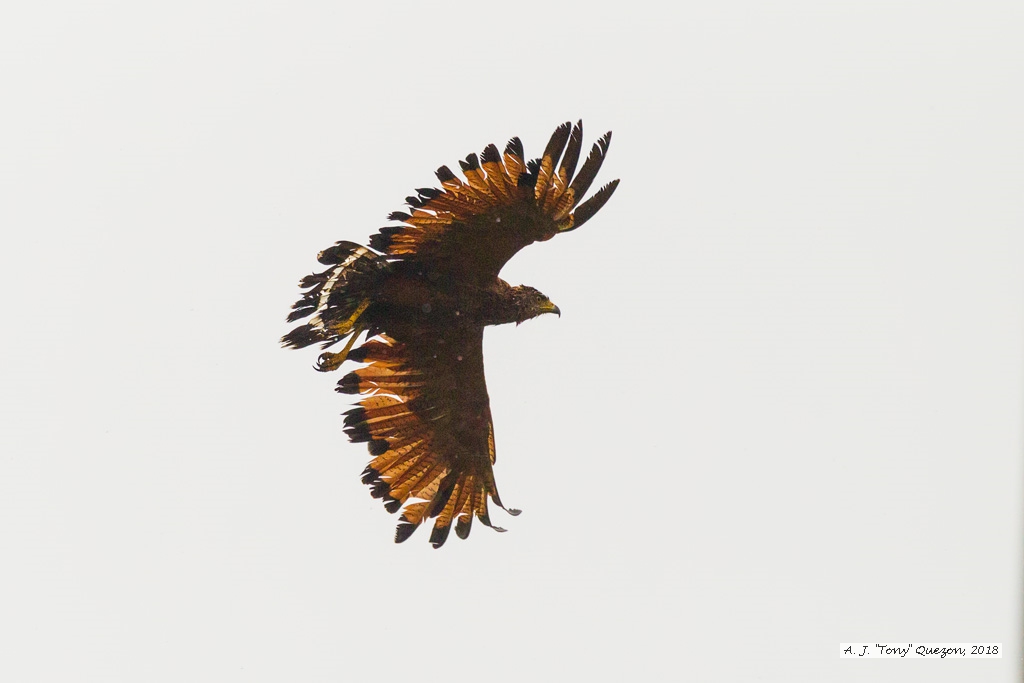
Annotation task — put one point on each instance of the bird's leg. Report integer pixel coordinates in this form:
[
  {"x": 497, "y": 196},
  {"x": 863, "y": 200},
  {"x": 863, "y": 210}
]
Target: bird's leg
[
  {"x": 351, "y": 340},
  {"x": 343, "y": 327},
  {"x": 331, "y": 361}
]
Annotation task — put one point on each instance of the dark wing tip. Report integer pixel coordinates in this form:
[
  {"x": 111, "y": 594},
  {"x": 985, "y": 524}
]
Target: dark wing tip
[
  {"x": 369, "y": 475},
  {"x": 404, "y": 530},
  {"x": 554, "y": 149},
  {"x": 490, "y": 155},
  {"x": 445, "y": 175},
  {"x": 382, "y": 240},
  {"x": 585, "y": 211},
  {"x": 359, "y": 433},
  {"x": 358, "y": 355},
  {"x": 581, "y": 183},
  {"x": 572, "y": 153},
  {"x": 439, "y": 535},
  {"x": 349, "y": 384},
  {"x": 379, "y": 489},
  {"x": 515, "y": 146}
]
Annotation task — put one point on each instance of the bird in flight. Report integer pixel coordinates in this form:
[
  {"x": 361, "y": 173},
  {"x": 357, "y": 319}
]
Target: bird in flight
[{"x": 422, "y": 293}]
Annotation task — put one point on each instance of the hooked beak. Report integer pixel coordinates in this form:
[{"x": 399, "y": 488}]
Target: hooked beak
[{"x": 548, "y": 307}]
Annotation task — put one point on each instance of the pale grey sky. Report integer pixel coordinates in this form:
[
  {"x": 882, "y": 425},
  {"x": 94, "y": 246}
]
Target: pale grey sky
[{"x": 781, "y": 409}]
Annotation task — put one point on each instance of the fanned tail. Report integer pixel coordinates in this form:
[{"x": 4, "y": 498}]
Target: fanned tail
[{"x": 335, "y": 298}]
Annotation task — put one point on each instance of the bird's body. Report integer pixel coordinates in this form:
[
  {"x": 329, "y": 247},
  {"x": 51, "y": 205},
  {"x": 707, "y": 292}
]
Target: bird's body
[
  {"x": 411, "y": 299},
  {"x": 423, "y": 302}
]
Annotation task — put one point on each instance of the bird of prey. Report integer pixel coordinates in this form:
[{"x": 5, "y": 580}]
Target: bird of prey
[{"x": 423, "y": 292}]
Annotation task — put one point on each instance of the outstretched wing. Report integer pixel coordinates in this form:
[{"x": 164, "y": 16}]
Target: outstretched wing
[
  {"x": 427, "y": 420},
  {"x": 470, "y": 229}
]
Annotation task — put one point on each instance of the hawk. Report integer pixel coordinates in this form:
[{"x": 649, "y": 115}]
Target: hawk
[{"x": 423, "y": 292}]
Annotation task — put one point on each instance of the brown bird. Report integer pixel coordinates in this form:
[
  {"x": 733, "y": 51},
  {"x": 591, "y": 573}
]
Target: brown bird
[{"x": 423, "y": 295}]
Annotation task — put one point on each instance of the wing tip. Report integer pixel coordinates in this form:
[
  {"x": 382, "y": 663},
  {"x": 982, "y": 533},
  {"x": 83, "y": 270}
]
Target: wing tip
[
  {"x": 404, "y": 530},
  {"x": 439, "y": 535}
]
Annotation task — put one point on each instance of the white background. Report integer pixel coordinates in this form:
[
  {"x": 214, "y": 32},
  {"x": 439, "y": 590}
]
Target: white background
[{"x": 781, "y": 409}]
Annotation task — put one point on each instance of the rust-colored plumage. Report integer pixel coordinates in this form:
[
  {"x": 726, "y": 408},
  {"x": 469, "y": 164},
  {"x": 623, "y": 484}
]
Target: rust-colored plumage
[{"x": 423, "y": 295}]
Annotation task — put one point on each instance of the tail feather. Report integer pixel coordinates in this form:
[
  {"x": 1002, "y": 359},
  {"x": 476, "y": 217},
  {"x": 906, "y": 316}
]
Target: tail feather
[{"x": 335, "y": 298}]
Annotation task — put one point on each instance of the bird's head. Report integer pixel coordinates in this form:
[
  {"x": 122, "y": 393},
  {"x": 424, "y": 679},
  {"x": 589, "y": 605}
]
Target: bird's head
[{"x": 530, "y": 303}]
